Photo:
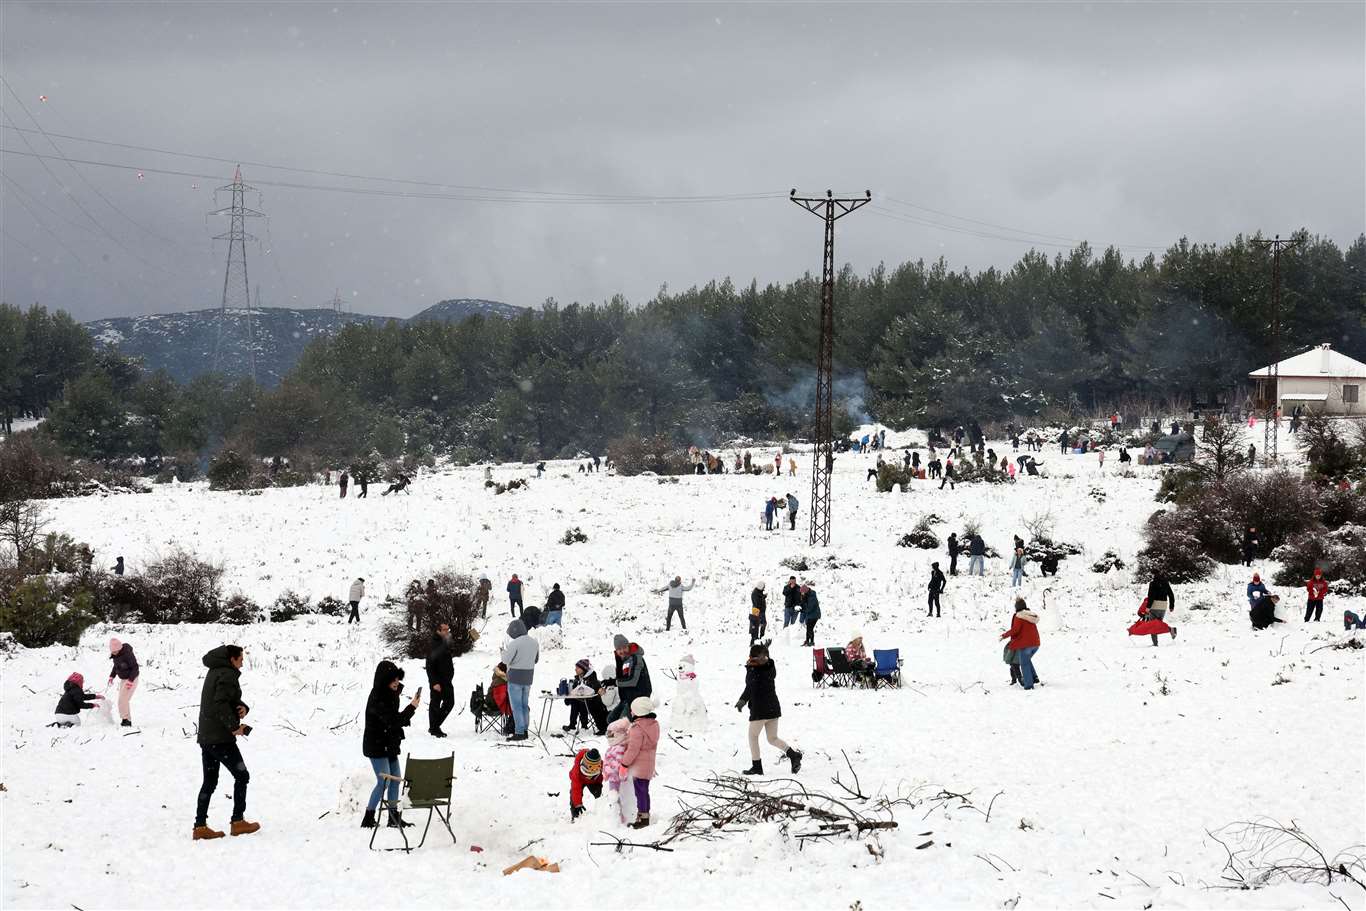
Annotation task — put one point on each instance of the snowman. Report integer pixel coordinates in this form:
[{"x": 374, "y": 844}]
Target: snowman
[{"x": 689, "y": 711}]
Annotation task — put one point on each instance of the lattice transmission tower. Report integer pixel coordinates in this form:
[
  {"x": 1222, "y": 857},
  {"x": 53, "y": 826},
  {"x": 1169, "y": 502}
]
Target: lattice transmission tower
[{"x": 236, "y": 290}]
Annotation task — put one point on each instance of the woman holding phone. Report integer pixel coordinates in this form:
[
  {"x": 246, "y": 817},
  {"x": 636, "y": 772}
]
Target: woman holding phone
[{"x": 383, "y": 738}]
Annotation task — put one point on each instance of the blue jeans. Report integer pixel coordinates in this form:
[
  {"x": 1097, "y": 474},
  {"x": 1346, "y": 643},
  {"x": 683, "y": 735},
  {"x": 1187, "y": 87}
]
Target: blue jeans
[
  {"x": 977, "y": 561},
  {"x": 519, "y": 695},
  {"x": 789, "y": 616},
  {"x": 553, "y": 617},
  {"x": 1015, "y": 575},
  {"x": 384, "y": 766},
  {"x": 1027, "y": 666}
]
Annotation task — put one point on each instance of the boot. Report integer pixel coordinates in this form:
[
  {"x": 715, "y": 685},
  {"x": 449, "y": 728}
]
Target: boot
[
  {"x": 368, "y": 822},
  {"x": 242, "y": 827},
  {"x": 1173, "y": 632},
  {"x": 437, "y": 732},
  {"x": 796, "y": 760},
  {"x": 126, "y": 723},
  {"x": 396, "y": 820},
  {"x": 642, "y": 820},
  {"x": 202, "y": 832},
  {"x": 517, "y": 737},
  {"x": 755, "y": 768}
]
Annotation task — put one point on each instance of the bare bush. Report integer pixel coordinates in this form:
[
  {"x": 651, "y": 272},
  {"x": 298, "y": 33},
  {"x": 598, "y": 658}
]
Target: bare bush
[
  {"x": 1265, "y": 852},
  {"x": 658, "y": 454},
  {"x": 415, "y": 618},
  {"x": 1172, "y": 549}
]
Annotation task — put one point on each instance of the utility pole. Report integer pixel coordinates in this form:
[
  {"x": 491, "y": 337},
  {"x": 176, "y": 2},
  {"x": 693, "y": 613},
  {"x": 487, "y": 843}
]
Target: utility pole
[
  {"x": 1271, "y": 429},
  {"x": 236, "y": 291},
  {"x": 336, "y": 302},
  {"x": 831, "y": 209}
]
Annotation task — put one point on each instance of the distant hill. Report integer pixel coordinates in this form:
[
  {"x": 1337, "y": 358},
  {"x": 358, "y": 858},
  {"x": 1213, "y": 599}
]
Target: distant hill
[{"x": 184, "y": 343}]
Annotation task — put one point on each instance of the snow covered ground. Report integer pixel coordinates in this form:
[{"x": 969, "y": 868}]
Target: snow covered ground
[{"x": 1102, "y": 784}]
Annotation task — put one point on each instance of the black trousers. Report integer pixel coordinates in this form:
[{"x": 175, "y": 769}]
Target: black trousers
[
  {"x": 443, "y": 702},
  {"x": 675, "y": 607},
  {"x": 580, "y": 710},
  {"x": 213, "y": 755},
  {"x": 934, "y": 604},
  {"x": 1313, "y": 610},
  {"x": 757, "y": 626},
  {"x": 516, "y": 601},
  {"x": 354, "y": 616},
  {"x": 953, "y": 564},
  {"x": 811, "y": 633},
  {"x": 792, "y": 519}
]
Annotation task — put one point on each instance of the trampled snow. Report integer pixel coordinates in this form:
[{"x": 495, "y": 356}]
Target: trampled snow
[{"x": 1102, "y": 788}]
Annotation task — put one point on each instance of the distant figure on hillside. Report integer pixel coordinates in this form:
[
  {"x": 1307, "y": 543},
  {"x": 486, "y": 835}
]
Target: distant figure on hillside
[
  {"x": 481, "y": 596},
  {"x": 791, "y": 467},
  {"x": 514, "y": 589},
  {"x": 118, "y": 566},
  {"x": 353, "y": 597},
  {"x": 342, "y": 482},
  {"x": 937, "y": 585},
  {"x": 953, "y": 553},
  {"x": 792, "y": 512},
  {"x": 364, "y": 483},
  {"x": 400, "y": 485}
]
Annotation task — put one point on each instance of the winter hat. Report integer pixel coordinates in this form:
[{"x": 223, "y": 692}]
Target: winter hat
[
  {"x": 77, "y": 679},
  {"x": 115, "y": 646},
  {"x": 760, "y": 586},
  {"x": 620, "y": 641},
  {"x": 516, "y": 629},
  {"x": 641, "y": 706},
  {"x": 590, "y": 766},
  {"x": 1318, "y": 570},
  {"x": 617, "y": 730},
  {"x": 583, "y": 665},
  {"x": 1256, "y": 577}
]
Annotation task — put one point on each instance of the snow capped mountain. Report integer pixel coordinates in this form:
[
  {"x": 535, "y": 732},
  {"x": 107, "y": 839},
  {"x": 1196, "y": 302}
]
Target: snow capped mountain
[{"x": 189, "y": 343}]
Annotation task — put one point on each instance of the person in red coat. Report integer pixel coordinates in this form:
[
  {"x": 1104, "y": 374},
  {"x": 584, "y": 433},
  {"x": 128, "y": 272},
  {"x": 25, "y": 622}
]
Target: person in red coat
[
  {"x": 585, "y": 772},
  {"x": 1317, "y": 587},
  {"x": 1024, "y": 640}
]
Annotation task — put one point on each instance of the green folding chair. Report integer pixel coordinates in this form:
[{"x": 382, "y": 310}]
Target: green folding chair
[{"x": 427, "y": 783}]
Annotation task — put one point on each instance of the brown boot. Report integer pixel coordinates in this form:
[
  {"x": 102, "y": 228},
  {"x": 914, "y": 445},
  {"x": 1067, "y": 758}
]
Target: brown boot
[
  {"x": 242, "y": 827},
  {"x": 201, "y": 832},
  {"x": 642, "y": 820}
]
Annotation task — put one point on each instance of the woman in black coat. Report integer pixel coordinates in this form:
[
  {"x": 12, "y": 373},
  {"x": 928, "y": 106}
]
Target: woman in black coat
[
  {"x": 762, "y": 698},
  {"x": 383, "y": 738},
  {"x": 580, "y": 710}
]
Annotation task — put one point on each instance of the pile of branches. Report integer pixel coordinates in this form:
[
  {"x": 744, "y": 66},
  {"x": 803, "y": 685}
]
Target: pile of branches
[
  {"x": 1264, "y": 852},
  {"x": 728, "y": 804}
]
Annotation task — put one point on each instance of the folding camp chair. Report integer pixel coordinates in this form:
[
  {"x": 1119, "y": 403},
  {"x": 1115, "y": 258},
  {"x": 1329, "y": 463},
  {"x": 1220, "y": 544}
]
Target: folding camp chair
[
  {"x": 819, "y": 669},
  {"x": 427, "y": 782},
  {"x": 841, "y": 670},
  {"x": 887, "y": 669},
  {"x": 483, "y": 710}
]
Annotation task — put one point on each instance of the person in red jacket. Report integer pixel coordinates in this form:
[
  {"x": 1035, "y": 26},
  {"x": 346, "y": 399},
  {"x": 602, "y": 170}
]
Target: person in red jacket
[
  {"x": 1317, "y": 587},
  {"x": 1024, "y": 640},
  {"x": 586, "y": 772}
]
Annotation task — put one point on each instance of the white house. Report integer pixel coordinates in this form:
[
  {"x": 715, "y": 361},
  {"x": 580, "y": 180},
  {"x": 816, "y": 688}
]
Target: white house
[{"x": 1319, "y": 379}]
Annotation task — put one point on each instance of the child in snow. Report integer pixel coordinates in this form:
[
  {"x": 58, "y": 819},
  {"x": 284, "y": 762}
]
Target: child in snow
[
  {"x": 74, "y": 698},
  {"x": 585, "y": 683},
  {"x": 584, "y": 772},
  {"x": 1255, "y": 589},
  {"x": 617, "y": 776},
  {"x": 1351, "y": 621},
  {"x": 642, "y": 741},
  {"x": 126, "y": 670}
]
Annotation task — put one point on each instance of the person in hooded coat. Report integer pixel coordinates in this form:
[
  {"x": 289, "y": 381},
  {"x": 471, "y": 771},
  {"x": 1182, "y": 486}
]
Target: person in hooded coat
[
  {"x": 1024, "y": 641},
  {"x": 1263, "y": 613},
  {"x": 937, "y": 585},
  {"x": 74, "y": 698},
  {"x": 1317, "y": 586},
  {"x": 758, "y": 612},
  {"x": 1255, "y": 589},
  {"x": 221, "y": 711},
  {"x": 761, "y": 696},
  {"x": 382, "y": 740},
  {"x": 126, "y": 670},
  {"x": 520, "y": 655}
]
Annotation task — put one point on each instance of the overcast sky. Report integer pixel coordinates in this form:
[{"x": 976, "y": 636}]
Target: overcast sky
[{"x": 1127, "y": 124}]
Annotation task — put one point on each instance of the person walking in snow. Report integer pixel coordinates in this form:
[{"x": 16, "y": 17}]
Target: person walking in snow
[
  {"x": 1024, "y": 641},
  {"x": 761, "y": 696},
  {"x": 364, "y": 482},
  {"x": 791, "y": 467},
  {"x": 937, "y": 585},
  {"x": 676, "y": 588},
  {"x": 810, "y": 613},
  {"x": 631, "y": 675},
  {"x": 1252, "y": 544},
  {"x": 342, "y": 481},
  {"x": 1317, "y": 586},
  {"x": 126, "y": 670},
  {"x": 74, "y": 698},
  {"x": 953, "y": 553},
  {"x": 118, "y": 566},
  {"x": 977, "y": 552},
  {"x": 440, "y": 677},
  {"x": 949, "y": 477},
  {"x": 554, "y": 606},
  {"x": 520, "y": 655},
  {"x": 791, "y": 512},
  {"x": 221, "y": 711},
  {"x": 642, "y": 741},
  {"x": 481, "y": 596},
  {"x": 514, "y": 589},
  {"x": 758, "y": 612},
  {"x": 353, "y": 598},
  {"x": 770, "y": 507},
  {"x": 1255, "y": 589},
  {"x": 382, "y": 739},
  {"x": 792, "y": 599},
  {"x": 1017, "y": 562},
  {"x": 585, "y": 773},
  {"x": 1161, "y": 598}
]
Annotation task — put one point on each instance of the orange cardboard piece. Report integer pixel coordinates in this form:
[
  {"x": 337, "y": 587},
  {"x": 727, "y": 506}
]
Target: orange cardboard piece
[{"x": 531, "y": 862}]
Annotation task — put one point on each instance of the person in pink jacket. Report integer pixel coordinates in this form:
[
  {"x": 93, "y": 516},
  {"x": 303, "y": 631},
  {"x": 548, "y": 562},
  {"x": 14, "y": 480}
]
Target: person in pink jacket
[
  {"x": 618, "y": 778},
  {"x": 639, "y": 759}
]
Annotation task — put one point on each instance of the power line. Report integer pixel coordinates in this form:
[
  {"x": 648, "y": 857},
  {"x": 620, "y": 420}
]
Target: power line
[
  {"x": 16, "y": 240},
  {"x": 988, "y": 235},
  {"x": 55, "y": 236}
]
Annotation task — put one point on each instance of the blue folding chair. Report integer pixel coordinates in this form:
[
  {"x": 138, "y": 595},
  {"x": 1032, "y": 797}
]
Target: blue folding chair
[{"x": 887, "y": 667}]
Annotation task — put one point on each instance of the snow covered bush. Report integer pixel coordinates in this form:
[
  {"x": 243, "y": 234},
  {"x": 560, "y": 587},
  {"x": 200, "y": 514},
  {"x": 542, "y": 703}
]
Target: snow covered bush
[
  {"x": 1173, "y": 549},
  {"x": 37, "y": 615},
  {"x": 921, "y": 536},
  {"x": 1341, "y": 553},
  {"x": 230, "y": 470},
  {"x": 1110, "y": 560},
  {"x": 633, "y": 455},
  {"x": 596, "y": 586},
  {"x": 573, "y": 536},
  {"x": 288, "y": 605},
  {"x": 179, "y": 588},
  {"x": 1330, "y": 455},
  {"x": 59, "y": 553},
  {"x": 892, "y": 475}
]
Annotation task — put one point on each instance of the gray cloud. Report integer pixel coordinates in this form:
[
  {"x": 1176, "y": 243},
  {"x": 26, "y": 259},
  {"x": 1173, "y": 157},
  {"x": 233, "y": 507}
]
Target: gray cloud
[{"x": 1130, "y": 124}]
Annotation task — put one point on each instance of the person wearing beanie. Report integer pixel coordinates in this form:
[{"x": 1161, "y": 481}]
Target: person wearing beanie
[
  {"x": 382, "y": 739},
  {"x": 514, "y": 589},
  {"x": 580, "y": 709},
  {"x": 617, "y": 777},
  {"x": 758, "y": 612},
  {"x": 1317, "y": 586},
  {"x": 642, "y": 741},
  {"x": 584, "y": 772},
  {"x": 631, "y": 678},
  {"x": 761, "y": 695},
  {"x": 126, "y": 670},
  {"x": 74, "y": 698},
  {"x": 554, "y": 606},
  {"x": 1255, "y": 589},
  {"x": 520, "y": 655}
]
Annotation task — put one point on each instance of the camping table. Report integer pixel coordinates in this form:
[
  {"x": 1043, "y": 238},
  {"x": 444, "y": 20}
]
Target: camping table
[{"x": 548, "y": 700}]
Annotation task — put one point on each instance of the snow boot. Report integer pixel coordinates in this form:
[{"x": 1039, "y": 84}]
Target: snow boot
[
  {"x": 202, "y": 832},
  {"x": 126, "y": 723},
  {"x": 437, "y": 732},
  {"x": 396, "y": 820},
  {"x": 642, "y": 820},
  {"x": 242, "y": 827},
  {"x": 756, "y": 768},
  {"x": 796, "y": 760},
  {"x": 1173, "y": 632},
  {"x": 517, "y": 737},
  {"x": 368, "y": 822}
]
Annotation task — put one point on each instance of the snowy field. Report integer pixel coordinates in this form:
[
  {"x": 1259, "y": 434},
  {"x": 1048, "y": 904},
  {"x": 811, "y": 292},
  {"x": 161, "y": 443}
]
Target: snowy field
[{"x": 1102, "y": 784}]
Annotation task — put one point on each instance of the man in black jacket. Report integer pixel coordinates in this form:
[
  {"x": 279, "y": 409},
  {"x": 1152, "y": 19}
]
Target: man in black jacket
[
  {"x": 440, "y": 674},
  {"x": 554, "y": 605},
  {"x": 632, "y": 676},
  {"x": 221, "y": 711},
  {"x": 792, "y": 596},
  {"x": 953, "y": 553},
  {"x": 937, "y": 585},
  {"x": 758, "y": 612}
]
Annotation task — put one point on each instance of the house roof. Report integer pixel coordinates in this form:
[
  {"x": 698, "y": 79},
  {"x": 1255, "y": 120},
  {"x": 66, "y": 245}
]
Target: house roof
[{"x": 1311, "y": 363}]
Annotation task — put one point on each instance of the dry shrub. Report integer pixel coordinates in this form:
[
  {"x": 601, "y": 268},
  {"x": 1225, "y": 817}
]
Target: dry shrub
[{"x": 658, "y": 454}]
